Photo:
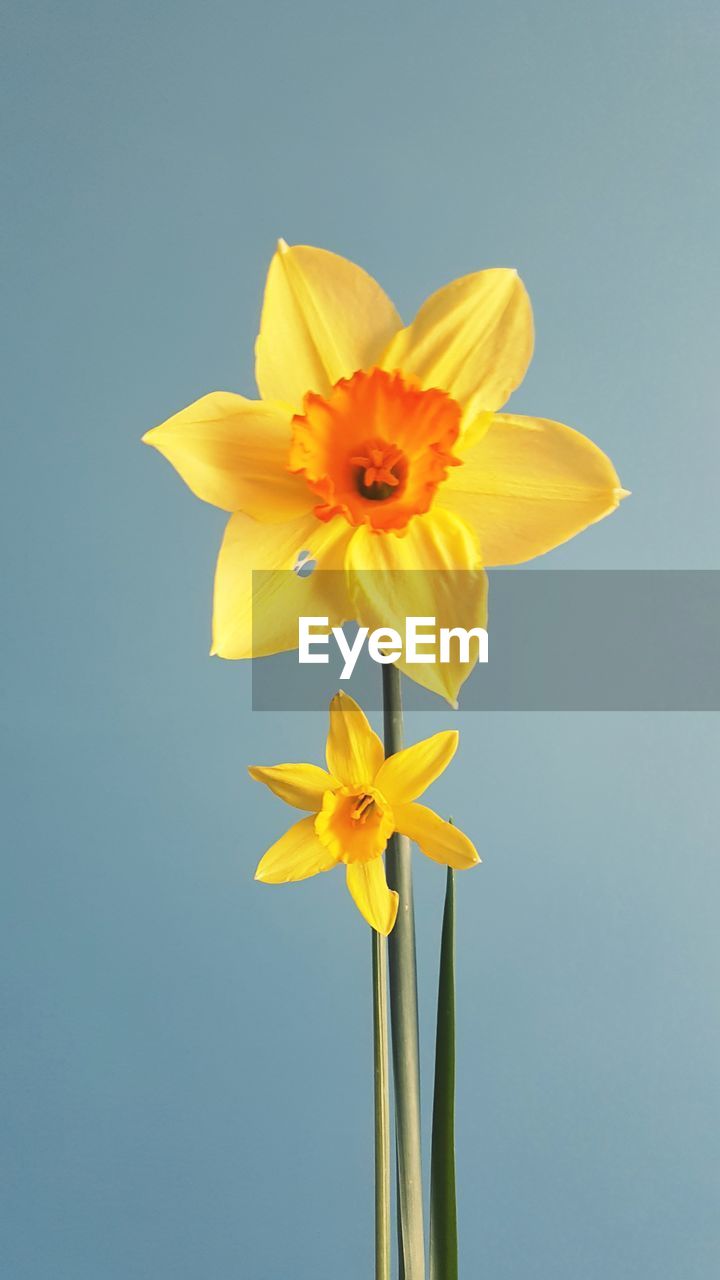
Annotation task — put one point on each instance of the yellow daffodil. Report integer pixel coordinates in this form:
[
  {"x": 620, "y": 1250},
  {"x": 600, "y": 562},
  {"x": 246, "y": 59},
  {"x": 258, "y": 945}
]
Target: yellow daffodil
[
  {"x": 356, "y": 805},
  {"x": 379, "y": 447}
]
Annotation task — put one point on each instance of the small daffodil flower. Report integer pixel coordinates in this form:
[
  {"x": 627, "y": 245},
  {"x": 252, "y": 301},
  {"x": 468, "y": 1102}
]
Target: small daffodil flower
[{"x": 355, "y": 805}]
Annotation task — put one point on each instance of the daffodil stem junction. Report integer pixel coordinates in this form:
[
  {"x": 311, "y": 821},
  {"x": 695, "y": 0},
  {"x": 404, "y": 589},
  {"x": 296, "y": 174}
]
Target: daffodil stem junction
[
  {"x": 382, "y": 1108},
  {"x": 443, "y": 1208},
  {"x": 404, "y": 1018}
]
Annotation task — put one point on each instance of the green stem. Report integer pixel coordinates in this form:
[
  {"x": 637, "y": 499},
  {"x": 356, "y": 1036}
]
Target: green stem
[
  {"x": 404, "y": 1019},
  {"x": 382, "y": 1108},
  {"x": 443, "y": 1206}
]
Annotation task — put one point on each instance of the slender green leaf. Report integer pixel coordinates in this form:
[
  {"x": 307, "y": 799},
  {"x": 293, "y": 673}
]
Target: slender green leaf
[{"x": 443, "y": 1204}]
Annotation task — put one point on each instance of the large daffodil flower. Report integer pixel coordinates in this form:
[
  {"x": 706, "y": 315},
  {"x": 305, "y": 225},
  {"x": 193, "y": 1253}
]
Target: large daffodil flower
[
  {"x": 355, "y": 806},
  {"x": 380, "y": 448}
]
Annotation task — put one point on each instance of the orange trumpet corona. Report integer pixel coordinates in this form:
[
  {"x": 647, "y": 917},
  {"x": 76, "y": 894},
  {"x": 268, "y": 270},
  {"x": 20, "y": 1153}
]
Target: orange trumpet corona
[{"x": 376, "y": 448}]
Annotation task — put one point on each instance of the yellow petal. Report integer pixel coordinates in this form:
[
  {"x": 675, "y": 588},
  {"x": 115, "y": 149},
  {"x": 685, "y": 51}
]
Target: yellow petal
[
  {"x": 472, "y": 430},
  {"x": 250, "y": 624},
  {"x": 322, "y": 319},
  {"x": 301, "y": 785},
  {"x": 369, "y": 888},
  {"x": 529, "y": 485},
  {"x": 233, "y": 452},
  {"x": 440, "y": 840},
  {"x": 354, "y": 751},
  {"x": 473, "y": 338},
  {"x": 295, "y": 856},
  {"x": 404, "y": 776},
  {"x": 433, "y": 571}
]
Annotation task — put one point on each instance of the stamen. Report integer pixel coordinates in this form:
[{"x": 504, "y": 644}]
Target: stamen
[
  {"x": 362, "y": 810},
  {"x": 377, "y": 477}
]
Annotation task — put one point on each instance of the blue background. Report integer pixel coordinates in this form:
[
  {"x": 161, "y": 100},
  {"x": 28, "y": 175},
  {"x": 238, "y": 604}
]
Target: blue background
[{"x": 186, "y": 1072}]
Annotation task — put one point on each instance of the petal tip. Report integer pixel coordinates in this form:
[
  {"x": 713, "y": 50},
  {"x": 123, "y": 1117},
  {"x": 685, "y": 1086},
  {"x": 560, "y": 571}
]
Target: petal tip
[{"x": 393, "y": 914}]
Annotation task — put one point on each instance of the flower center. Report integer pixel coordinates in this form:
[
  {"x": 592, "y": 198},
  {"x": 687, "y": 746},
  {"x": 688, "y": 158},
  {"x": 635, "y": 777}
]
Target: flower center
[
  {"x": 363, "y": 809},
  {"x": 376, "y": 448},
  {"x": 380, "y": 470},
  {"x": 354, "y": 824}
]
